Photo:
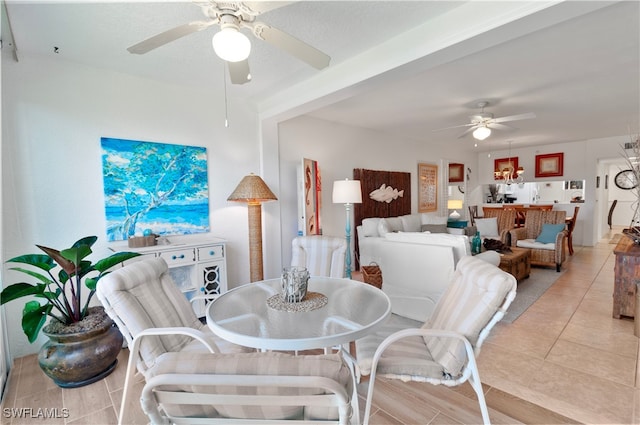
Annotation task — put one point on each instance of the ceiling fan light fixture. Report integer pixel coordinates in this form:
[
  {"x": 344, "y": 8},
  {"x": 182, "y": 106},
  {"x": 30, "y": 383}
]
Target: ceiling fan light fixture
[
  {"x": 481, "y": 133},
  {"x": 231, "y": 45}
]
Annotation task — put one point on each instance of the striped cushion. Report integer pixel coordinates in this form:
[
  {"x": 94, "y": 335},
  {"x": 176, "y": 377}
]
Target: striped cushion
[
  {"x": 276, "y": 364},
  {"x": 473, "y": 297},
  {"x": 407, "y": 353},
  {"x": 144, "y": 296},
  {"x": 321, "y": 255}
]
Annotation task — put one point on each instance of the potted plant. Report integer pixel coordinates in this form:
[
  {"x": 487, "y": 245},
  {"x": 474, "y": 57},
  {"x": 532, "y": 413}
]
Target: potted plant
[{"x": 83, "y": 341}]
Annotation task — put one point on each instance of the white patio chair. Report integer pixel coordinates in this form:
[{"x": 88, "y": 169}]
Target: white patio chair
[
  {"x": 321, "y": 255},
  {"x": 266, "y": 387},
  {"x": 443, "y": 350},
  {"x": 154, "y": 317}
]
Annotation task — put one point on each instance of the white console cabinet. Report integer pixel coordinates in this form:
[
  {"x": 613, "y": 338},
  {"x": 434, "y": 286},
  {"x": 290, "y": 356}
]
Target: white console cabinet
[{"x": 198, "y": 264}]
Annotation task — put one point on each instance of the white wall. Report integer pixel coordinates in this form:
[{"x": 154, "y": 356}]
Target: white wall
[{"x": 54, "y": 114}]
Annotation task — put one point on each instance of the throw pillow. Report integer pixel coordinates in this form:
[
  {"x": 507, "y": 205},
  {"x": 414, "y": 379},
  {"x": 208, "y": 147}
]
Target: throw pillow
[
  {"x": 549, "y": 232},
  {"x": 488, "y": 227},
  {"x": 434, "y": 228},
  {"x": 370, "y": 226},
  {"x": 395, "y": 224},
  {"x": 383, "y": 227}
]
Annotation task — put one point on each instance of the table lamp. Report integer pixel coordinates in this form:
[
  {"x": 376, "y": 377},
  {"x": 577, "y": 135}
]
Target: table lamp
[
  {"x": 454, "y": 204},
  {"x": 253, "y": 190},
  {"x": 347, "y": 192}
]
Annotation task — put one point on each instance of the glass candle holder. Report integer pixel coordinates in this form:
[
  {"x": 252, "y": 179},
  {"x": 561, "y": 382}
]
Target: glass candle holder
[{"x": 294, "y": 283}]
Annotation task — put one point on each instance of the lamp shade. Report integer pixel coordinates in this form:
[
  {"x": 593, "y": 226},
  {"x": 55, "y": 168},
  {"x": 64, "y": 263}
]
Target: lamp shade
[
  {"x": 481, "y": 133},
  {"x": 454, "y": 204},
  {"x": 231, "y": 45},
  {"x": 252, "y": 189},
  {"x": 347, "y": 192}
]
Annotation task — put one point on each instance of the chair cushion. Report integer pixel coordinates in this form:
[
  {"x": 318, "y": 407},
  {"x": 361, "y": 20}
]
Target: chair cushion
[
  {"x": 367, "y": 346},
  {"x": 434, "y": 228},
  {"x": 549, "y": 232},
  {"x": 272, "y": 364},
  {"x": 532, "y": 244},
  {"x": 488, "y": 227},
  {"x": 473, "y": 297}
]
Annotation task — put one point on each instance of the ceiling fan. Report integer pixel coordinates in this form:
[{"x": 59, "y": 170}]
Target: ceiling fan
[
  {"x": 229, "y": 43},
  {"x": 482, "y": 123}
]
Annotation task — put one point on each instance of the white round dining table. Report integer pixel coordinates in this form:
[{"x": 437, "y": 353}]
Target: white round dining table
[{"x": 246, "y": 315}]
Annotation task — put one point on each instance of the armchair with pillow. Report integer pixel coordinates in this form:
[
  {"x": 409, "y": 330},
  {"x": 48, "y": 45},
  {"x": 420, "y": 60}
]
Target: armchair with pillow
[
  {"x": 496, "y": 224},
  {"x": 544, "y": 233}
]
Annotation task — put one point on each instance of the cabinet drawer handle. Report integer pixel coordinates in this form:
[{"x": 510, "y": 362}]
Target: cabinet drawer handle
[
  {"x": 176, "y": 257},
  {"x": 212, "y": 252}
]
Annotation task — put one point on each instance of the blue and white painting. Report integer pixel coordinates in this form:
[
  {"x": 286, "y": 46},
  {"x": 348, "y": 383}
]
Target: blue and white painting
[{"x": 155, "y": 187}]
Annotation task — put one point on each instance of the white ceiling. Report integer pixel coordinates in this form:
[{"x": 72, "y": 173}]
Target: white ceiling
[{"x": 575, "y": 65}]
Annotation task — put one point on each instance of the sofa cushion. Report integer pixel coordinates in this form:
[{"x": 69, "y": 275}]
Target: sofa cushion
[
  {"x": 488, "y": 227},
  {"x": 389, "y": 224},
  {"x": 432, "y": 218},
  {"x": 459, "y": 243},
  {"x": 549, "y": 232},
  {"x": 411, "y": 222},
  {"x": 434, "y": 228},
  {"x": 370, "y": 227}
]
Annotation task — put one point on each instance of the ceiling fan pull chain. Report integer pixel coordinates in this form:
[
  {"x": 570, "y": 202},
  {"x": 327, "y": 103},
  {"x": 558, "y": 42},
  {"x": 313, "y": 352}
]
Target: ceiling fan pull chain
[{"x": 226, "y": 102}]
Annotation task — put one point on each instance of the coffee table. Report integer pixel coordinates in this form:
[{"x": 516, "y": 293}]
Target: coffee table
[{"x": 517, "y": 262}]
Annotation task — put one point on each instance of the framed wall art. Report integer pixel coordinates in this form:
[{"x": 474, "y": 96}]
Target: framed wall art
[
  {"x": 502, "y": 163},
  {"x": 456, "y": 173},
  {"x": 549, "y": 165},
  {"x": 427, "y": 187},
  {"x": 159, "y": 187}
]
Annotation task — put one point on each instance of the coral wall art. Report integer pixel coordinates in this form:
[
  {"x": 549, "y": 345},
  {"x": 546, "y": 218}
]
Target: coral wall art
[{"x": 156, "y": 187}]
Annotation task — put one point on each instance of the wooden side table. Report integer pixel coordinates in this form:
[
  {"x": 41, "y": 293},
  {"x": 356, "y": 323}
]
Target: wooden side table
[
  {"x": 517, "y": 262},
  {"x": 627, "y": 275}
]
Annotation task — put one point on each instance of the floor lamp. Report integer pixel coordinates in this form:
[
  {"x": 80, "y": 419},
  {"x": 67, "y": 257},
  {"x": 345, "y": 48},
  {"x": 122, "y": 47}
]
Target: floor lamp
[
  {"x": 347, "y": 192},
  {"x": 253, "y": 190}
]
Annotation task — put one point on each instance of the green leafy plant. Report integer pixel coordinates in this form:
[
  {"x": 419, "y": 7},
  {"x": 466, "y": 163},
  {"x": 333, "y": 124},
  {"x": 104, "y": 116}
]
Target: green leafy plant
[{"x": 62, "y": 293}]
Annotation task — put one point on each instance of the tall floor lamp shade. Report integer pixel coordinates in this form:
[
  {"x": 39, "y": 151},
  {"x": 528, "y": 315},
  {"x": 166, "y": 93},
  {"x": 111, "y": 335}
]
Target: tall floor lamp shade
[
  {"x": 253, "y": 190},
  {"x": 347, "y": 192}
]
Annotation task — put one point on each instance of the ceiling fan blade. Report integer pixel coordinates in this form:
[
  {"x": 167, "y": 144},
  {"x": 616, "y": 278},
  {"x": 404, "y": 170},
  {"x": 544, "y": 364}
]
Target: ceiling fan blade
[
  {"x": 455, "y": 126},
  {"x": 291, "y": 45},
  {"x": 239, "y": 72},
  {"x": 467, "y": 131},
  {"x": 526, "y": 116},
  {"x": 498, "y": 126},
  {"x": 169, "y": 36},
  {"x": 265, "y": 6}
]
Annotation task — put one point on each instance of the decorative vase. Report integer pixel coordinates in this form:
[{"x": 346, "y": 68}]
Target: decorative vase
[
  {"x": 294, "y": 284},
  {"x": 81, "y": 358}
]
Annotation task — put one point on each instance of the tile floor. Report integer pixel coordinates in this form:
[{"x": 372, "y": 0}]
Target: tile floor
[{"x": 565, "y": 353}]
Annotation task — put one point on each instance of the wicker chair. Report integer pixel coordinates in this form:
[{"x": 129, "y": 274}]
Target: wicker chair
[
  {"x": 542, "y": 254},
  {"x": 506, "y": 222}
]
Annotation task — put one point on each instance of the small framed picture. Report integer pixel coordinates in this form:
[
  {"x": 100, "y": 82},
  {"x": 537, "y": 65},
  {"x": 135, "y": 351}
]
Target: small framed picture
[
  {"x": 456, "y": 173},
  {"x": 549, "y": 165}
]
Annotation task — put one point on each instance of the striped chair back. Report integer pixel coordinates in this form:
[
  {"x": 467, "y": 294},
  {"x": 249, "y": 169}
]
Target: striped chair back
[{"x": 321, "y": 255}]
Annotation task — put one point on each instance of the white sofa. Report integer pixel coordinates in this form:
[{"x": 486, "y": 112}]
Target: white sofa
[
  {"x": 372, "y": 231},
  {"x": 416, "y": 266}
]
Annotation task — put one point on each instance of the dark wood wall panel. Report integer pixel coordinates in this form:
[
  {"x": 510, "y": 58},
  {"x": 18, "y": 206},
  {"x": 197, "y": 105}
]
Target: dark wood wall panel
[{"x": 371, "y": 180}]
